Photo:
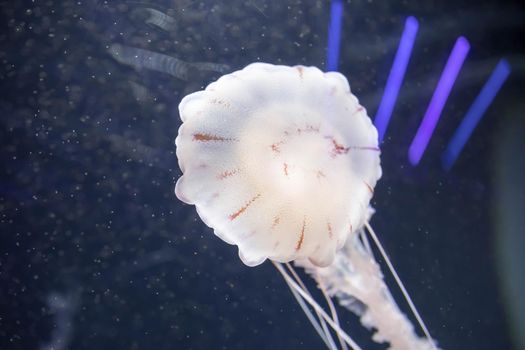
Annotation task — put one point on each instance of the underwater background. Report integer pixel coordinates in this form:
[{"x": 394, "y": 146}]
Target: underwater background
[{"x": 96, "y": 252}]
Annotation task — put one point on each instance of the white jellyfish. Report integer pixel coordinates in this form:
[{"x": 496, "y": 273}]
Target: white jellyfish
[{"x": 282, "y": 162}]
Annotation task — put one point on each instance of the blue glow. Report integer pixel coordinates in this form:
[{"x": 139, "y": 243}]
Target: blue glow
[
  {"x": 434, "y": 109},
  {"x": 475, "y": 113},
  {"x": 334, "y": 35},
  {"x": 395, "y": 79}
]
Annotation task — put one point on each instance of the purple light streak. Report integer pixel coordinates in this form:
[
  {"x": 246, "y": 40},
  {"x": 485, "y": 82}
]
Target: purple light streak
[
  {"x": 475, "y": 113},
  {"x": 334, "y": 35},
  {"x": 448, "y": 77},
  {"x": 397, "y": 73}
]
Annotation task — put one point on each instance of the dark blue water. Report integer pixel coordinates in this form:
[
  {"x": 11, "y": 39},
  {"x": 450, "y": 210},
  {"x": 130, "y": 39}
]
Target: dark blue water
[{"x": 96, "y": 252}]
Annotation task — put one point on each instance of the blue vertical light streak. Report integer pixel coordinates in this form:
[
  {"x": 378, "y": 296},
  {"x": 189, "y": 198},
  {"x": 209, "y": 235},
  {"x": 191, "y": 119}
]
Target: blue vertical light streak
[
  {"x": 475, "y": 113},
  {"x": 433, "y": 113},
  {"x": 395, "y": 79},
  {"x": 334, "y": 35}
]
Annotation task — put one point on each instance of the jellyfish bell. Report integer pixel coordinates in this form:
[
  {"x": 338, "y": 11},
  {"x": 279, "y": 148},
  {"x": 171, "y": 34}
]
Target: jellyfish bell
[{"x": 282, "y": 162}]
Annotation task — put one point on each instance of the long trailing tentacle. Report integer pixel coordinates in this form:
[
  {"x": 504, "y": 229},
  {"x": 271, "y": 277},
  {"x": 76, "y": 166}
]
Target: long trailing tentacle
[
  {"x": 400, "y": 285},
  {"x": 333, "y": 311},
  {"x": 322, "y": 321},
  {"x": 366, "y": 244},
  {"x": 310, "y": 316},
  {"x": 292, "y": 284}
]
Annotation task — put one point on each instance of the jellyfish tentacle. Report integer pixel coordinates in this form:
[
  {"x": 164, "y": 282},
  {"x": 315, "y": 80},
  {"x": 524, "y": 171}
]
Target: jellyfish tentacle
[
  {"x": 321, "y": 332},
  {"x": 292, "y": 284},
  {"x": 333, "y": 311},
  {"x": 366, "y": 243},
  {"x": 355, "y": 279},
  {"x": 303, "y": 286},
  {"x": 400, "y": 285}
]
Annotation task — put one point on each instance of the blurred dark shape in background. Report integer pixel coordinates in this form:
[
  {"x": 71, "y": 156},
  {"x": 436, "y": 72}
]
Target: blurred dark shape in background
[{"x": 509, "y": 223}]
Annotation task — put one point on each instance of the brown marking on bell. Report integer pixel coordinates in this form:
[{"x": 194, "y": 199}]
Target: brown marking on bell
[
  {"x": 243, "y": 209},
  {"x": 338, "y": 148},
  {"x": 276, "y": 221},
  {"x": 285, "y": 168},
  {"x": 202, "y": 166},
  {"x": 320, "y": 174},
  {"x": 209, "y": 137},
  {"x": 227, "y": 173},
  {"x": 369, "y": 187},
  {"x": 300, "y": 70},
  {"x": 330, "y": 233},
  {"x": 276, "y": 147},
  {"x": 276, "y": 244},
  {"x": 301, "y": 237}
]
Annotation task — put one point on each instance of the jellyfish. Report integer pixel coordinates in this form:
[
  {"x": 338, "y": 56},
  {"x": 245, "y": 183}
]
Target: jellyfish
[
  {"x": 140, "y": 58},
  {"x": 156, "y": 18},
  {"x": 282, "y": 162}
]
